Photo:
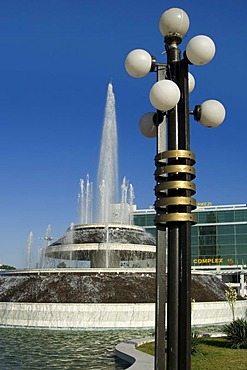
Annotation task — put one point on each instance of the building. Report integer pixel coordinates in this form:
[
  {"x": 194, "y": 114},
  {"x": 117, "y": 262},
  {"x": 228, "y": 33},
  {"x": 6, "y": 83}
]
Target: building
[{"x": 218, "y": 241}]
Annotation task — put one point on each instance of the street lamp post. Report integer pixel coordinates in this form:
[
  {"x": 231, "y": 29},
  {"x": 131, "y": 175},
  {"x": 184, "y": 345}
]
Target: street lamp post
[{"x": 174, "y": 175}]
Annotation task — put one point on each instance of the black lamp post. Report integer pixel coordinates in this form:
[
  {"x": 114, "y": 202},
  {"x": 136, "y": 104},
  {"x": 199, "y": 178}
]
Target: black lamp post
[{"x": 174, "y": 174}]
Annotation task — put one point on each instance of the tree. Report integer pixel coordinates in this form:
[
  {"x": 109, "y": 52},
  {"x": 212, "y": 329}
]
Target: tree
[
  {"x": 231, "y": 297},
  {"x": 7, "y": 267}
]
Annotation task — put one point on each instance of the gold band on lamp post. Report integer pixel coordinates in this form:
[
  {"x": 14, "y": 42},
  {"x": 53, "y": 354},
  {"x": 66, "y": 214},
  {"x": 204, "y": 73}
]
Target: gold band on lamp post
[
  {"x": 171, "y": 201},
  {"x": 177, "y": 184},
  {"x": 175, "y": 217},
  {"x": 176, "y": 168},
  {"x": 186, "y": 154}
]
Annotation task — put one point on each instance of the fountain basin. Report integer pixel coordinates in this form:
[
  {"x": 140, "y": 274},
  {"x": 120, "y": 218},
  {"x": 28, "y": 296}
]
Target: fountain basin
[
  {"x": 105, "y": 246},
  {"x": 125, "y": 285},
  {"x": 101, "y": 299}
]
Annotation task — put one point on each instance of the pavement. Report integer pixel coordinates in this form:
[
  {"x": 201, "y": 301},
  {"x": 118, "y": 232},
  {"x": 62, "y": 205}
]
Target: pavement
[{"x": 139, "y": 360}]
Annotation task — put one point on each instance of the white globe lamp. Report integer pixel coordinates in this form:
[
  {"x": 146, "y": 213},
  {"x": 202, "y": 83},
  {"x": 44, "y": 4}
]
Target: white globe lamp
[
  {"x": 191, "y": 82},
  {"x": 212, "y": 113},
  {"x": 174, "y": 21},
  {"x": 138, "y": 63},
  {"x": 147, "y": 126},
  {"x": 164, "y": 95},
  {"x": 200, "y": 50}
]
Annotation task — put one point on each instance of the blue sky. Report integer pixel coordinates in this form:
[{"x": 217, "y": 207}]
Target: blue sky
[{"x": 56, "y": 60}]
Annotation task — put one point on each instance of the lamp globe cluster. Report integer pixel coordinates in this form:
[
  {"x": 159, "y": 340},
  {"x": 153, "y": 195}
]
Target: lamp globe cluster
[{"x": 165, "y": 94}]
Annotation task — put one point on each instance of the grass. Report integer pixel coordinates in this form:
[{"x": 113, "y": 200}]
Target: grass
[{"x": 214, "y": 354}]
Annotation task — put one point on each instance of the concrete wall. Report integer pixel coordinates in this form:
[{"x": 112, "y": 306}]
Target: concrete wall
[
  {"x": 204, "y": 313},
  {"x": 88, "y": 316},
  {"x": 102, "y": 316}
]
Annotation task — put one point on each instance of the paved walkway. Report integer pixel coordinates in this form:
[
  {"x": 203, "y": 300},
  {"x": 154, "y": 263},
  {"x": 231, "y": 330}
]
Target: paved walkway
[{"x": 140, "y": 361}]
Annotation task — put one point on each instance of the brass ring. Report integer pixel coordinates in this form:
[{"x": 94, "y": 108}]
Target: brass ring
[
  {"x": 178, "y": 184},
  {"x": 178, "y": 168},
  {"x": 187, "y": 154},
  {"x": 175, "y": 201},
  {"x": 175, "y": 217}
]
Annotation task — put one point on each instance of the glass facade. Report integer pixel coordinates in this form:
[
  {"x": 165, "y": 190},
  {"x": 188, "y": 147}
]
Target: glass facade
[
  {"x": 218, "y": 238},
  {"x": 145, "y": 219}
]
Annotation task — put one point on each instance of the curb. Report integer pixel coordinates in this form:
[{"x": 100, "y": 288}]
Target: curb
[{"x": 140, "y": 361}]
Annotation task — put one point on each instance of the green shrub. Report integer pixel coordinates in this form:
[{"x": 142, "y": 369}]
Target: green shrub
[
  {"x": 236, "y": 333},
  {"x": 195, "y": 342}
]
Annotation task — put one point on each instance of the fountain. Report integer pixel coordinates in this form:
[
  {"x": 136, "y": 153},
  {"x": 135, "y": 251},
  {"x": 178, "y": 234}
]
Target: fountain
[
  {"x": 106, "y": 236},
  {"x": 101, "y": 273}
]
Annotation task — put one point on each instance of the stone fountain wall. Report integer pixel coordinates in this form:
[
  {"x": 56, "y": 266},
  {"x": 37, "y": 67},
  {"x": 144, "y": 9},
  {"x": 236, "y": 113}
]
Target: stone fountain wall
[{"x": 106, "y": 316}]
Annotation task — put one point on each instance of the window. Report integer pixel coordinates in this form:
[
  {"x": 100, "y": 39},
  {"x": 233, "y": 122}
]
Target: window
[
  {"x": 225, "y": 230},
  {"x": 225, "y": 216},
  {"x": 240, "y": 215}
]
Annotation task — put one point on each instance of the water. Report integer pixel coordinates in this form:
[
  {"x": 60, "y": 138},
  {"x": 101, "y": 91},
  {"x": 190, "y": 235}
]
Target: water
[
  {"x": 108, "y": 161},
  {"x": 61, "y": 350},
  {"x": 42, "y": 260},
  {"x": 29, "y": 249},
  {"x": 86, "y": 201},
  {"x": 131, "y": 202},
  {"x": 109, "y": 208}
]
